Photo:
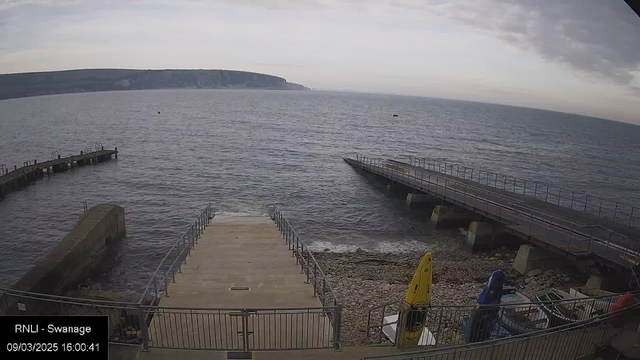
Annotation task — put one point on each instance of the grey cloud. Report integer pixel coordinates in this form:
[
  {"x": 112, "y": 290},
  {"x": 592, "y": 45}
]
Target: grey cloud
[{"x": 596, "y": 37}]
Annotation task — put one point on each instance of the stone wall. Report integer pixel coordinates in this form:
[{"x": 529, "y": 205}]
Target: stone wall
[{"x": 77, "y": 254}]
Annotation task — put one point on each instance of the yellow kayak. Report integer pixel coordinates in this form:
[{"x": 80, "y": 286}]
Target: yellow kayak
[{"x": 416, "y": 302}]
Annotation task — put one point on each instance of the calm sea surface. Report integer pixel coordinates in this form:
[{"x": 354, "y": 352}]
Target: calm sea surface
[{"x": 242, "y": 150}]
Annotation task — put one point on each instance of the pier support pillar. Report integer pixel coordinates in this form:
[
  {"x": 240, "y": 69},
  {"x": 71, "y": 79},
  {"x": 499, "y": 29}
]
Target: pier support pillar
[
  {"x": 60, "y": 167},
  {"x": 481, "y": 236},
  {"x": 450, "y": 216},
  {"x": 530, "y": 257},
  {"x": 417, "y": 199}
]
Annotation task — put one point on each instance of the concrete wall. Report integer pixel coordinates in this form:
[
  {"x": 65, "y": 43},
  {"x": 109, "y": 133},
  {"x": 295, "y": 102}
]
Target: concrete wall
[
  {"x": 77, "y": 255},
  {"x": 530, "y": 258},
  {"x": 452, "y": 216},
  {"x": 482, "y": 236}
]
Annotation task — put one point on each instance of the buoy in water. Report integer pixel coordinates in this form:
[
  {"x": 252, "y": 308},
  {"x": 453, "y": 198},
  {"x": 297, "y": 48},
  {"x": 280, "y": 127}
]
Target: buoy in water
[
  {"x": 158, "y": 112},
  {"x": 395, "y": 115}
]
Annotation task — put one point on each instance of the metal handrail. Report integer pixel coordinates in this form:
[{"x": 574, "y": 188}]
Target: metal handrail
[
  {"x": 186, "y": 242},
  {"x": 27, "y": 165},
  {"x": 616, "y": 207},
  {"x": 297, "y": 246},
  {"x": 42, "y": 296},
  {"x": 123, "y": 317},
  {"x": 235, "y": 309},
  {"x": 398, "y": 304},
  {"x": 307, "y": 263},
  {"x": 489, "y": 343},
  {"x": 566, "y": 225}
]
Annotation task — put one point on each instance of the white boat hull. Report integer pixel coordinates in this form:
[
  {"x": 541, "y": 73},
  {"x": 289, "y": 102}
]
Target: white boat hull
[{"x": 389, "y": 330}]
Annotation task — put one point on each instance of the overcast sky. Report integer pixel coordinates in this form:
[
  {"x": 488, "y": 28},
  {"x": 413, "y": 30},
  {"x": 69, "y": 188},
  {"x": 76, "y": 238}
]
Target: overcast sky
[{"x": 579, "y": 56}]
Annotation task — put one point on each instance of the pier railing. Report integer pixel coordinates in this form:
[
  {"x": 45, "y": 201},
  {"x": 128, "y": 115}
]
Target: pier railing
[
  {"x": 573, "y": 237},
  {"x": 567, "y": 342},
  {"x": 450, "y": 325},
  {"x": 174, "y": 258},
  {"x": 615, "y": 211}
]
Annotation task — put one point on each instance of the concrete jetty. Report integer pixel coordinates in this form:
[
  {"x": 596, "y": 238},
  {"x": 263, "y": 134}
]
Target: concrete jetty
[
  {"x": 19, "y": 177},
  {"x": 241, "y": 263},
  {"x": 78, "y": 253},
  {"x": 564, "y": 231}
]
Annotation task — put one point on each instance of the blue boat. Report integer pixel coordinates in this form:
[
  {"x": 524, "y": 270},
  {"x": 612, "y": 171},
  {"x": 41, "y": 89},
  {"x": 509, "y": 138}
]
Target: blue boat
[{"x": 483, "y": 323}]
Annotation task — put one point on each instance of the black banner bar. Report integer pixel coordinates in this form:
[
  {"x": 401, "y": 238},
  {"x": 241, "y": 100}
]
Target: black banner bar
[{"x": 54, "y": 337}]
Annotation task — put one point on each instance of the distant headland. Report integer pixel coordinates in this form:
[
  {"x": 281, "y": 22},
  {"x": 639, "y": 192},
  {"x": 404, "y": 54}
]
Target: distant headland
[{"x": 90, "y": 80}]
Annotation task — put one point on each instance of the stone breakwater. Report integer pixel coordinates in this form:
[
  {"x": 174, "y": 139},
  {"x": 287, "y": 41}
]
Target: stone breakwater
[{"x": 366, "y": 279}]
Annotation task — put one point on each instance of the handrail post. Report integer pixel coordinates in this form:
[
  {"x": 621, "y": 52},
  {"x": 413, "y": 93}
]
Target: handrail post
[
  {"x": 143, "y": 328},
  {"x": 586, "y": 201},
  {"x": 445, "y": 188},
  {"x": 315, "y": 276},
  {"x": 570, "y": 236},
  {"x": 600, "y": 207},
  {"x": 608, "y": 241},
  {"x": 615, "y": 212},
  {"x": 631, "y": 216},
  {"x": 302, "y": 259},
  {"x": 572, "y": 195},
  {"x": 324, "y": 290},
  {"x": 308, "y": 265},
  {"x": 155, "y": 285},
  {"x": 590, "y": 238},
  {"x": 530, "y": 223},
  {"x": 559, "y": 195},
  {"x": 535, "y": 190},
  {"x": 166, "y": 287},
  {"x": 337, "y": 327},
  {"x": 546, "y": 198}
]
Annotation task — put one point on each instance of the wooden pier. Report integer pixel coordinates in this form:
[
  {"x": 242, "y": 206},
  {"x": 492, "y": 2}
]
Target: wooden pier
[{"x": 20, "y": 177}]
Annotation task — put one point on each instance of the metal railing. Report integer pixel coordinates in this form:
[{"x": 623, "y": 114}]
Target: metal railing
[
  {"x": 573, "y": 237},
  {"x": 308, "y": 263},
  {"x": 615, "y": 211},
  {"x": 238, "y": 329},
  {"x": 566, "y": 342},
  {"x": 243, "y": 329},
  {"x": 191, "y": 328},
  {"x": 313, "y": 272},
  {"x": 181, "y": 249},
  {"x": 448, "y": 325},
  {"x": 55, "y": 155}
]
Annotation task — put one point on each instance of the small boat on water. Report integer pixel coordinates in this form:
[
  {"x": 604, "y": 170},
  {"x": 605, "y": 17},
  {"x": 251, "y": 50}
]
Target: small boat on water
[{"x": 523, "y": 316}]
